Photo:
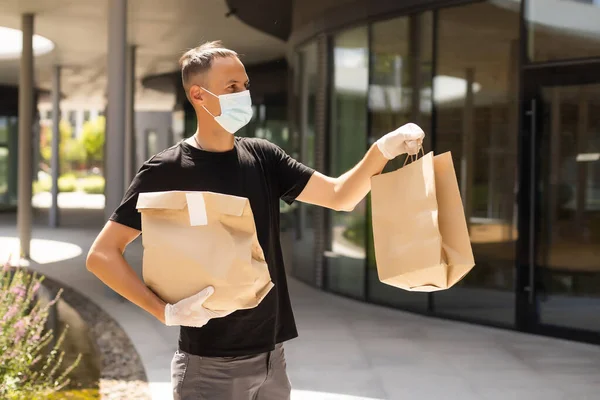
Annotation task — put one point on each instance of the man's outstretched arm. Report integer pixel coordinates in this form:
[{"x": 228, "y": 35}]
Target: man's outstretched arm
[{"x": 345, "y": 192}]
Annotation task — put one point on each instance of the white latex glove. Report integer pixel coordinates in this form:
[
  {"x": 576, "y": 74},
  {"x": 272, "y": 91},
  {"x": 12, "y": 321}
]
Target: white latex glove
[
  {"x": 191, "y": 311},
  {"x": 406, "y": 139}
]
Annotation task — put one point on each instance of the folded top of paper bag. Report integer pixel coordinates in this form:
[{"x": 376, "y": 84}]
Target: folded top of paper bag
[{"x": 195, "y": 201}]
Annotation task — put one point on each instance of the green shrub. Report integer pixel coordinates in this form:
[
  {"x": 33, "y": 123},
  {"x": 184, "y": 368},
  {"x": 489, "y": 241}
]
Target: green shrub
[
  {"x": 67, "y": 183},
  {"x": 28, "y": 365},
  {"x": 41, "y": 186},
  {"x": 93, "y": 185},
  {"x": 355, "y": 230}
]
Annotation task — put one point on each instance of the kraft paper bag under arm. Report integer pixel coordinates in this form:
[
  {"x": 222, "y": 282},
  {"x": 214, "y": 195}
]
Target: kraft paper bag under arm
[
  {"x": 197, "y": 239},
  {"x": 419, "y": 227}
]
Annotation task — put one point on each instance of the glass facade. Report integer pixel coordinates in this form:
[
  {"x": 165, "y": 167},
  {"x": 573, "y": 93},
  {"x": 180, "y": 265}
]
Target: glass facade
[
  {"x": 269, "y": 122},
  {"x": 345, "y": 266},
  {"x": 483, "y": 81},
  {"x": 568, "y": 255},
  {"x": 399, "y": 92},
  {"x": 476, "y": 102},
  {"x": 562, "y": 29},
  {"x": 8, "y": 161},
  {"x": 304, "y": 92}
]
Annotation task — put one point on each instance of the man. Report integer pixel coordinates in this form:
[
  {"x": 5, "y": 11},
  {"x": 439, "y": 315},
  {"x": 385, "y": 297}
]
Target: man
[{"x": 240, "y": 355}]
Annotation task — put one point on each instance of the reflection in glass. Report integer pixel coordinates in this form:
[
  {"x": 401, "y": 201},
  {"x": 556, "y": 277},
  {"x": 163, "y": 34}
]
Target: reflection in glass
[
  {"x": 3, "y": 131},
  {"x": 8, "y": 161},
  {"x": 399, "y": 92},
  {"x": 477, "y": 115},
  {"x": 151, "y": 143},
  {"x": 345, "y": 264},
  {"x": 3, "y": 171},
  {"x": 305, "y": 91},
  {"x": 562, "y": 29},
  {"x": 269, "y": 121},
  {"x": 568, "y": 278}
]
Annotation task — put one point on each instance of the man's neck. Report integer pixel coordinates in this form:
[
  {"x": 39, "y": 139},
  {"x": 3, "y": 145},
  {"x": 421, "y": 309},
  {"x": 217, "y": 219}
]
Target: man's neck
[{"x": 217, "y": 141}]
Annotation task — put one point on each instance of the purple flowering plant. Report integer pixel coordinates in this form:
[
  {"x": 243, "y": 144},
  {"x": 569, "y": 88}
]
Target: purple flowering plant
[{"x": 30, "y": 363}]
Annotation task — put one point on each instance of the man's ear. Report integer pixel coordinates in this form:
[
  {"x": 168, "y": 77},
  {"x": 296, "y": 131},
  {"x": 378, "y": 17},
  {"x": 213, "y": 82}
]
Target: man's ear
[{"x": 197, "y": 94}]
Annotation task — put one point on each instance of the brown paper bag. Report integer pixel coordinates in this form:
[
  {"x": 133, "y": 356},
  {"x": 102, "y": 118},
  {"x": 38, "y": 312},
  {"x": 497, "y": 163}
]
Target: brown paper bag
[
  {"x": 197, "y": 239},
  {"x": 419, "y": 227}
]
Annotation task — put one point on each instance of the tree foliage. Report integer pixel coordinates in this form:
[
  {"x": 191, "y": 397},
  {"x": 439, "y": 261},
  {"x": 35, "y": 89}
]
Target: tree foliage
[
  {"x": 89, "y": 147},
  {"x": 92, "y": 137}
]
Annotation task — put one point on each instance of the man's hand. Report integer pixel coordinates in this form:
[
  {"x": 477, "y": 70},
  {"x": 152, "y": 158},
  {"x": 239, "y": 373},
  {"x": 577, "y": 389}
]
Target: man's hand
[
  {"x": 406, "y": 139},
  {"x": 191, "y": 311}
]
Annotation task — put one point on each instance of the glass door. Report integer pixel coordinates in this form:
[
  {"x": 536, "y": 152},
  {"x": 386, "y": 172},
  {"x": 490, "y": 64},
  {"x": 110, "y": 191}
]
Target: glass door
[{"x": 564, "y": 239}]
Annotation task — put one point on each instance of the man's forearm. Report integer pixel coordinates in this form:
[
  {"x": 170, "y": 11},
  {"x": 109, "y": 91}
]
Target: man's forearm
[
  {"x": 112, "y": 269},
  {"x": 345, "y": 192},
  {"x": 354, "y": 185}
]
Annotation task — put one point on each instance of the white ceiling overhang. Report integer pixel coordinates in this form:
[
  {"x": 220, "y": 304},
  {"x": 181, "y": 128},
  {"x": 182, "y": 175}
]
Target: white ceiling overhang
[{"x": 161, "y": 30}]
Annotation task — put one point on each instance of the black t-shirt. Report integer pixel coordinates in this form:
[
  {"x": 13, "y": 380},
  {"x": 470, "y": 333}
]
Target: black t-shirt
[{"x": 263, "y": 173}]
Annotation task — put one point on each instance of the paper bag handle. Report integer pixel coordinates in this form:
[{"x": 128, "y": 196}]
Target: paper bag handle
[{"x": 414, "y": 157}]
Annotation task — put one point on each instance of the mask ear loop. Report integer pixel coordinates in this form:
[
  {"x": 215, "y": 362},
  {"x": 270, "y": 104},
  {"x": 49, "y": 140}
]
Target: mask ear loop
[
  {"x": 214, "y": 95},
  {"x": 211, "y": 114}
]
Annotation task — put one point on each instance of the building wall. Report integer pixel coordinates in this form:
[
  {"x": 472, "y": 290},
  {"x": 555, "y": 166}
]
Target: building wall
[
  {"x": 312, "y": 17},
  {"x": 153, "y": 133},
  {"x": 457, "y": 68},
  {"x": 381, "y": 75},
  {"x": 77, "y": 114}
]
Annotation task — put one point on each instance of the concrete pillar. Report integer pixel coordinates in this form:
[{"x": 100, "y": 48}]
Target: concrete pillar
[
  {"x": 468, "y": 145},
  {"x": 130, "y": 142},
  {"x": 55, "y": 159},
  {"x": 25, "y": 134},
  {"x": 116, "y": 108}
]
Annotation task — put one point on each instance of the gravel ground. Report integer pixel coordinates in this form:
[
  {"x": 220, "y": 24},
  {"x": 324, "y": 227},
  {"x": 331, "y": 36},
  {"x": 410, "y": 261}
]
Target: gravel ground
[{"x": 122, "y": 373}]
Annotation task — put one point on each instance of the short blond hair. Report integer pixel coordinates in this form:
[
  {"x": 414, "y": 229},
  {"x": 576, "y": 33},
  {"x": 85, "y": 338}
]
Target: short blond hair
[{"x": 198, "y": 60}]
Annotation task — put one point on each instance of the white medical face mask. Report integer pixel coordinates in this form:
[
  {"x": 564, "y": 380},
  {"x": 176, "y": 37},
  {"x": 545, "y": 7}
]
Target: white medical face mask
[{"x": 236, "y": 110}]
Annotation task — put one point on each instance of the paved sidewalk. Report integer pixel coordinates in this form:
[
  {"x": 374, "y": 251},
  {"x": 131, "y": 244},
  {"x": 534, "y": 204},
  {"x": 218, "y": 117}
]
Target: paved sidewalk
[{"x": 347, "y": 349}]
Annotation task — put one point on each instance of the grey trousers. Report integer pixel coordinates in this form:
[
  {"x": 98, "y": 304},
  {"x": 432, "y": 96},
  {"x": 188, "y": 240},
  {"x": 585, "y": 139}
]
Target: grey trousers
[{"x": 258, "y": 377}]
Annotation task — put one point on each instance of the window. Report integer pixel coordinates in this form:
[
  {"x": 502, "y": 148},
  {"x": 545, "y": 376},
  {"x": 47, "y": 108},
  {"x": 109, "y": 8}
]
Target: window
[
  {"x": 399, "y": 92},
  {"x": 305, "y": 90},
  {"x": 151, "y": 143},
  {"x": 561, "y": 29},
  {"x": 345, "y": 266},
  {"x": 72, "y": 117},
  {"x": 3, "y": 131},
  {"x": 8, "y": 161},
  {"x": 476, "y": 98}
]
